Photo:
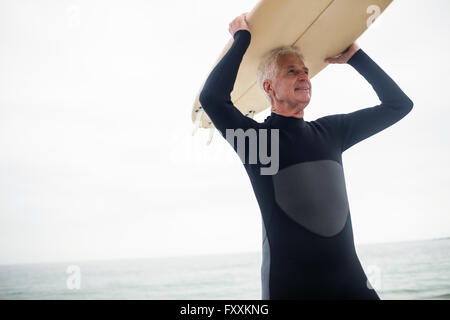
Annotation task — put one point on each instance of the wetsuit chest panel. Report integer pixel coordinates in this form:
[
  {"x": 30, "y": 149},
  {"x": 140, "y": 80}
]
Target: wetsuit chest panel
[{"x": 313, "y": 194}]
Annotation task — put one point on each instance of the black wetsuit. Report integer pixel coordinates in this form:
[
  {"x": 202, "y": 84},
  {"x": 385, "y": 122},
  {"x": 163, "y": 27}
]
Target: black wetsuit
[{"x": 308, "y": 247}]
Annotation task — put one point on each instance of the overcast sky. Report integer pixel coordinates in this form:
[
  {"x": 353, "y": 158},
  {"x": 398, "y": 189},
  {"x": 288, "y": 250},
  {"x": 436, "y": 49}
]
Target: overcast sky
[{"x": 97, "y": 160}]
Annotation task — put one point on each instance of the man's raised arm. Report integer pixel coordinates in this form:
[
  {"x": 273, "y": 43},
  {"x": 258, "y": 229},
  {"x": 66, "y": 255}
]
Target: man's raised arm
[
  {"x": 361, "y": 124},
  {"x": 215, "y": 96}
]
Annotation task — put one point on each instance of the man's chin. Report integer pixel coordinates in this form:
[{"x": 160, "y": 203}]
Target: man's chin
[
  {"x": 304, "y": 98},
  {"x": 304, "y": 102}
]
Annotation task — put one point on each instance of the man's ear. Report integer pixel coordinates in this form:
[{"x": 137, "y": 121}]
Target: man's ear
[{"x": 267, "y": 86}]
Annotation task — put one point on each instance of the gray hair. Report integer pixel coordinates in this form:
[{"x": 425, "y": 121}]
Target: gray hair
[{"x": 268, "y": 67}]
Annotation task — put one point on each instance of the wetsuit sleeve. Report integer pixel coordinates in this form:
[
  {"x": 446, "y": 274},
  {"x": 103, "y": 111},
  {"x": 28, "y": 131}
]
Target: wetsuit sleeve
[
  {"x": 356, "y": 126},
  {"x": 215, "y": 96}
]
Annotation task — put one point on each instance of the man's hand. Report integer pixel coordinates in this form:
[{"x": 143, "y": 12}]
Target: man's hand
[
  {"x": 344, "y": 56},
  {"x": 239, "y": 23}
]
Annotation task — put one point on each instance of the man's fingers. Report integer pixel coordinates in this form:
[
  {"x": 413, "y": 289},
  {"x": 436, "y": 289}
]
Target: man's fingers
[
  {"x": 334, "y": 60},
  {"x": 331, "y": 60},
  {"x": 344, "y": 56}
]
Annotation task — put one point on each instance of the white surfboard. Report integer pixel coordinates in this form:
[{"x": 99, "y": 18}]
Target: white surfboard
[{"x": 320, "y": 28}]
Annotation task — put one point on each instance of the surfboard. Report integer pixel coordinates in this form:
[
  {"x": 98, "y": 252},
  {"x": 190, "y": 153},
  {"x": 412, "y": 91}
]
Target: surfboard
[{"x": 320, "y": 28}]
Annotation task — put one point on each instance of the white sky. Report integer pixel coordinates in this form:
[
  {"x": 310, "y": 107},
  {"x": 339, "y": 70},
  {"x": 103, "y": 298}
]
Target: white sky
[{"x": 96, "y": 155}]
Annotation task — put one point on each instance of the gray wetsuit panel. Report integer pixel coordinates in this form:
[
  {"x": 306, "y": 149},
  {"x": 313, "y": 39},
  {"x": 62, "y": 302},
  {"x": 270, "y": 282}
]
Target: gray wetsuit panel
[{"x": 313, "y": 194}]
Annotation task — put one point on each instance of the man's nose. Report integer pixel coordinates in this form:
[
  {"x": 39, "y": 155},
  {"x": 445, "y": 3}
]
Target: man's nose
[{"x": 302, "y": 75}]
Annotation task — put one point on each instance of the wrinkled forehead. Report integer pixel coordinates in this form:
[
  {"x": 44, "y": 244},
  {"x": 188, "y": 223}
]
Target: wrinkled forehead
[{"x": 286, "y": 60}]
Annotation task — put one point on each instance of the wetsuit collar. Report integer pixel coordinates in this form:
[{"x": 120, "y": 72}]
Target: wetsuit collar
[{"x": 280, "y": 121}]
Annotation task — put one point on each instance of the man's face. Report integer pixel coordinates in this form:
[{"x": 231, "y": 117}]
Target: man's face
[{"x": 291, "y": 84}]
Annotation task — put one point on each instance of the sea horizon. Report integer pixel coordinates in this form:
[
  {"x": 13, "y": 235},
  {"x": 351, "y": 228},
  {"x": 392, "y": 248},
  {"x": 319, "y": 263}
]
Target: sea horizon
[{"x": 111, "y": 259}]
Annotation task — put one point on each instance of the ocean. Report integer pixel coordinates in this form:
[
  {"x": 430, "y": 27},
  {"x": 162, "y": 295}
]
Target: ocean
[{"x": 398, "y": 271}]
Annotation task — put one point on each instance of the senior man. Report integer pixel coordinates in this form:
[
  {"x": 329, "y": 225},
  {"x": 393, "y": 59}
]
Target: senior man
[{"x": 308, "y": 248}]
